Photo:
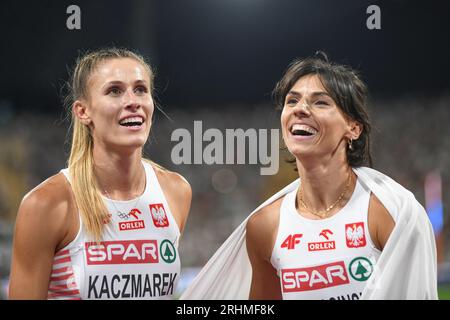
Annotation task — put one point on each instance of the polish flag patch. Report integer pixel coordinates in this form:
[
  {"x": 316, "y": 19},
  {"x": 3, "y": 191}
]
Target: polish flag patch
[
  {"x": 355, "y": 235},
  {"x": 159, "y": 215}
]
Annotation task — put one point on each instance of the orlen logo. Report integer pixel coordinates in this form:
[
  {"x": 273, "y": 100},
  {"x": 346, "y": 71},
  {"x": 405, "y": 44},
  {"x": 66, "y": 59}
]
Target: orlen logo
[
  {"x": 320, "y": 246},
  {"x": 122, "y": 252},
  {"x": 323, "y": 245},
  {"x": 132, "y": 225},
  {"x": 314, "y": 278},
  {"x": 159, "y": 215}
]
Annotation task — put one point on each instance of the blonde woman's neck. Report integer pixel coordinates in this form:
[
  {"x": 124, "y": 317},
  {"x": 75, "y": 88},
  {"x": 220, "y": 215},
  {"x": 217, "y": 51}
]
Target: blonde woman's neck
[{"x": 120, "y": 176}]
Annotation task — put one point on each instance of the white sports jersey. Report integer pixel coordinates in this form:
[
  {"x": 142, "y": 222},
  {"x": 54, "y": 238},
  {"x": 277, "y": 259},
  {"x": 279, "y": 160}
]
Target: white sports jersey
[
  {"x": 330, "y": 258},
  {"x": 136, "y": 259}
]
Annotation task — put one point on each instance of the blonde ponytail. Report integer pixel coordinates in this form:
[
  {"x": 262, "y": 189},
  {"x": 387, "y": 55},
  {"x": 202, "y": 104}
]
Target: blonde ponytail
[{"x": 84, "y": 183}]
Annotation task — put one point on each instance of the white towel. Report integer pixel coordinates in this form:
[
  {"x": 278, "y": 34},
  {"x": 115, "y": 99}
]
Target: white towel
[{"x": 406, "y": 269}]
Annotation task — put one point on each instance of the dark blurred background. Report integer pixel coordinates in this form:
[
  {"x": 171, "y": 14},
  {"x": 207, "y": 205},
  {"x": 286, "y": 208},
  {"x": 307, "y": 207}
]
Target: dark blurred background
[
  {"x": 224, "y": 51},
  {"x": 218, "y": 61}
]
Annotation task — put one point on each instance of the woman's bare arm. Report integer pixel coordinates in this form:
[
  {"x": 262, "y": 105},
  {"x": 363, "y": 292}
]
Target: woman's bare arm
[
  {"x": 41, "y": 227},
  {"x": 261, "y": 236}
]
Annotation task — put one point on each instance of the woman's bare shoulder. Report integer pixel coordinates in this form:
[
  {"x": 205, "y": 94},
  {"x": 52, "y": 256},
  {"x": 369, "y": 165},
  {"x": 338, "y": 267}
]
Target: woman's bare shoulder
[
  {"x": 262, "y": 228},
  {"x": 47, "y": 206},
  {"x": 52, "y": 192},
  {"x": 173, "y": 181},
  {"x": 381, "y": 222},
  {"x": 266, "y": 218}
]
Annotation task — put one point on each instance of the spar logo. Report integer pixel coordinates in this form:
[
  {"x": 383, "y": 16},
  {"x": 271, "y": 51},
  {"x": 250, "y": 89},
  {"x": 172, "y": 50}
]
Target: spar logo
[
  {"x": 168, "y": 252},
  {"x": 323, "y": 245},
  {"x": 360, "y": 269},
  {"x": 355, "y": 235},
  {"x": 291, "y": 241},
  {"x": 132, "y": 225},
  {"x": 159, "y": 215},
  {"x": 122, "y": 252},
  {"x": 314, "y": 278}
]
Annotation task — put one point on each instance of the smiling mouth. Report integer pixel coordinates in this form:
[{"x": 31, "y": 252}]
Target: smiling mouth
[
  {"x": 302, "y": 130},
  {"x": 132, "y": 122}
]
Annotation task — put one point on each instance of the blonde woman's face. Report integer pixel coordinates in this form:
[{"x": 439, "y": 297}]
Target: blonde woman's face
[{"x": 120, "y": 105}]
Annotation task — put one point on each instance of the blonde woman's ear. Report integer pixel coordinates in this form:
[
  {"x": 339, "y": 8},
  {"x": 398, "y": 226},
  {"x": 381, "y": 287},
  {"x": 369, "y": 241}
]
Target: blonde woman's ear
[{"x": 79, "y": 109}]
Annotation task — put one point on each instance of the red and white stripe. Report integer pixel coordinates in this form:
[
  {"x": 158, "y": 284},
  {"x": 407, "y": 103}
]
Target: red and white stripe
[{"x": 62, "y": 280}]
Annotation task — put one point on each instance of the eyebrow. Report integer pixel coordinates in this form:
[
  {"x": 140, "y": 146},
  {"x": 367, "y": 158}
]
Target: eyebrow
[
  {"x": 118, "y": 82},
  {"x": 314, "y": 94}
]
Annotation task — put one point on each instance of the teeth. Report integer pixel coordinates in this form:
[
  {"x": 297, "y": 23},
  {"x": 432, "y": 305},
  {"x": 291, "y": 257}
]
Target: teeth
[
  {"x": 303, "y": 127},
  {"x": 132, "y": 119}
]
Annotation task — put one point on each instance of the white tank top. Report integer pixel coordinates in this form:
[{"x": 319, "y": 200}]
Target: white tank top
[
  {"x": 325, "y": 259},
  {"x": 136, "y": 259}
]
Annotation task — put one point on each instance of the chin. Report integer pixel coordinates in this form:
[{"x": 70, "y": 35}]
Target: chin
[
  {"x": 131, "y": 144},
  {"x": 299, "y": 152},
  {"x": 137, "y": 143}
]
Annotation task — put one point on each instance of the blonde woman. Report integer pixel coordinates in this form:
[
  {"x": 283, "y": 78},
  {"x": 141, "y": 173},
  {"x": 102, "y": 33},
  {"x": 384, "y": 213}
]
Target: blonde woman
[{"x": 108, "y": 226}]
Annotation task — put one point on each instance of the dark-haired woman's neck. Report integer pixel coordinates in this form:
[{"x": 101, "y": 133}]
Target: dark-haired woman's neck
[{"x": 323, "y": 181}]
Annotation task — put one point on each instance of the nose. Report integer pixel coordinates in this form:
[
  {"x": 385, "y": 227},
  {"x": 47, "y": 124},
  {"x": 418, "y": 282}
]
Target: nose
[
  {"x": 131, "y": 101},
  {"x": 302, "y": 108}
]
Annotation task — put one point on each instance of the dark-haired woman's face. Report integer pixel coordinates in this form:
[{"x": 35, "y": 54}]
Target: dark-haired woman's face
[
  {"x": 313, "y": 126},
  {"x": 120, "y": 104}
]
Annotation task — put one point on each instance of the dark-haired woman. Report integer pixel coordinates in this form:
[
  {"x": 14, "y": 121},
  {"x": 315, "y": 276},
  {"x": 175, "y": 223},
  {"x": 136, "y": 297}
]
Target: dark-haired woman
[
  {"x": 108, "y": 226},
  {"x": 303, "y": 245},
  {"x": 342, "y": 231}
]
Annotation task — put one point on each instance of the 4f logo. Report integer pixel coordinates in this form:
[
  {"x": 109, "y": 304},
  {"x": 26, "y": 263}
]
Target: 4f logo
[
  {"x": 291, "y": 241},
  {"x": 355, "y": 235},
  {"x": 159, "y": 215}
]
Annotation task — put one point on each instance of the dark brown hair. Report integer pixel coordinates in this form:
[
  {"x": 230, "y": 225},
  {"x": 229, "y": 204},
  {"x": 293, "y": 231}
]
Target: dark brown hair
[{"x": 347, "y": 90}]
